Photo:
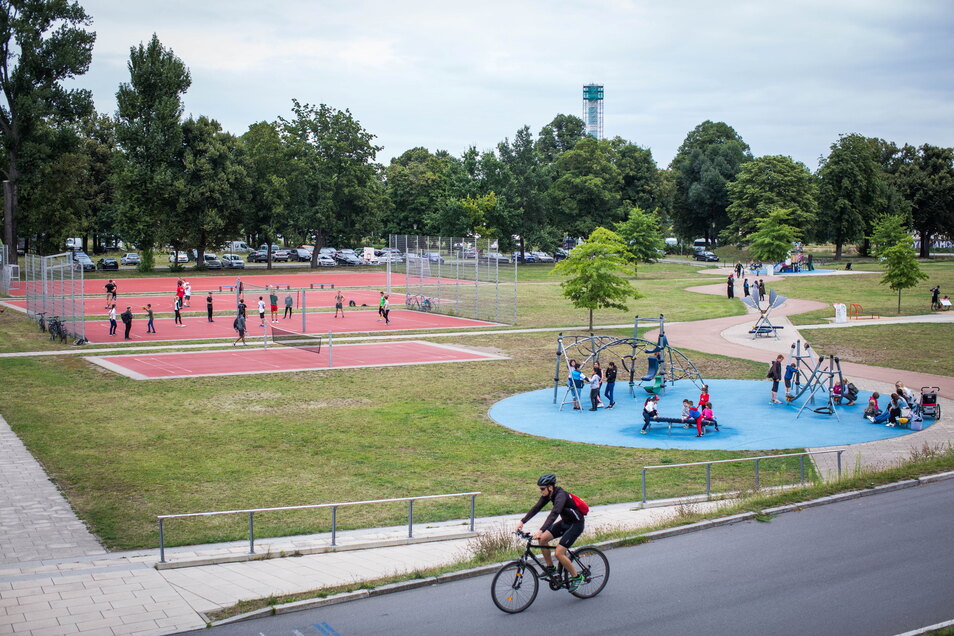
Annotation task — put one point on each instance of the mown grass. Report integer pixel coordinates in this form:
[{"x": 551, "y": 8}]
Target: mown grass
[{"x": 920, "y": 347}]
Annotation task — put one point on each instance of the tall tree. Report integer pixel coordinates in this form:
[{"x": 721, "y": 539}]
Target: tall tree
[
  {"x": 149, "y": 132},
  {"x": 709, "y": 158},
  {"x": 269, "y": 169},
  {"x": 42, "y": 43},
  {"x": 595, "y": 273},
  {"x": 768, "y": 183},
  {"x": 418, "y": 186},
  {"x": 901, "y": 270},
  {"x": 585, "y": 193},
  {"x": 773, "y": 239},
  {"x": 926, "y": 181},
  {"x": 641, "y": 233},
  {"x": 639, "y": 173},
  {"x": 526, "y": 188},
  {"x": 851, "y": 185},
  {"x": 888, "y": 231},
  {"x": 560, "y": 135}
]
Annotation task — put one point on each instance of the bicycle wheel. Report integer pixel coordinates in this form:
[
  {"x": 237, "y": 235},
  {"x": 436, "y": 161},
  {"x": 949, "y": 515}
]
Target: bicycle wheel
[
  {"x": 514, "y": 587},
  {"x": 595, "y": 568}
]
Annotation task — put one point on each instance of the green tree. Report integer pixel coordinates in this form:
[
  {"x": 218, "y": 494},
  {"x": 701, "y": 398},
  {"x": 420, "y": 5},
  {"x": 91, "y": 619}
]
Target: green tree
[
  {"x": 901, "y": 267},
  {"x": 418, "y": 187},
  {"x": 706, "y": 162},
  {"x": 560, "y": 135},
  {"x": 639, "y": 174},
  {"x": 640, "y": 232},
  {"x": 773, "y": 240},
  {"x": 852, "y": 184},
  {"x": 926, "y": 181},
  {"x": 269, "y": 169},
  {"x": 585, "y": 192},
  {"x": 525, "y": 188},
  {"x": 42, "y": 43},
  {"x": 594, "y": 272},
  {"x": 149, "y": 132},
  {"x": 768, "y": 183},
  {"x": 888, "y": 230}
]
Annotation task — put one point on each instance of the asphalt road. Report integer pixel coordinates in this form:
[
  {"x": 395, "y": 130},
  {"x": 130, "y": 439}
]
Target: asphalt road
[{"x": 876, "y": 565}]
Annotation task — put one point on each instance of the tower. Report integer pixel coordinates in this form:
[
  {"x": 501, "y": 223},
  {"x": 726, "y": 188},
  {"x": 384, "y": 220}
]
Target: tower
[{"x": 593, "y": 110}]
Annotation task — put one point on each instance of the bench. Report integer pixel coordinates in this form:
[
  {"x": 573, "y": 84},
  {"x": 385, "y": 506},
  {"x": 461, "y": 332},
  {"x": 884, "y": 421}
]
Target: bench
[
  {"x": 321, "y": 285},
  {"x": 857, "y": 311}
]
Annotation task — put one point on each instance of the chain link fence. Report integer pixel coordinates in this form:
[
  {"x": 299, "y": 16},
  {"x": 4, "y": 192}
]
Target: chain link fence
[
  {"x": 9, "y": 273},
  {"x": 462, "y": 277},
  {"x": 54, "y": 287}
]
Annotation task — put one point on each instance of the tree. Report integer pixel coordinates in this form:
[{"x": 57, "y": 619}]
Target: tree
[
  {"x": 901, "y": 267},
  {"x": 149, "y": 133},
  {"x": 773, "y": 240},
  {"x": 640, "y": 176},
  {"x": 888, "y": 231},
  {"x": 640, "y": 232},
  {"x": 709, "y": 158},
  {"x": 269, "y": 169},
  {"x": 768, "y": 183},
  {"x": 585, "y": 192},
  {"x": 926, "y": 181},
  {"x": 418, "y": 187},
  {"x": 851, "y": 184},
  {"x": 560, "y": 135},
  {"x": 525, "y": 187},
  {"x": 42, "y": 43},
  {"x": 594, "y": 269}
]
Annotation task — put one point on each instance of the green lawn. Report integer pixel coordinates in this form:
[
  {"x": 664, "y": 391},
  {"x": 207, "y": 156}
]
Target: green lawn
[{"x": 920, "y": 347}]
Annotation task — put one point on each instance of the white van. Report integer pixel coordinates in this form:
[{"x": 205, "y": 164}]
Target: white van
[
  {"x": 237, "y": 246},
  {"x": 699, "y": 244}
]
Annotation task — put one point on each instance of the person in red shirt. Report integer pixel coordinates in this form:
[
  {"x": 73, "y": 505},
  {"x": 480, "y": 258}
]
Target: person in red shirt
[
  {"x": 703, "y": 396},
  {"x": 180, "y": 293}
]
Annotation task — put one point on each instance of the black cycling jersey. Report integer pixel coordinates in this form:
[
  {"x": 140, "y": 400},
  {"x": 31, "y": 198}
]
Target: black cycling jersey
[
  {"x": 610, "y": 375},
  {"x": 563, "y": 507}
]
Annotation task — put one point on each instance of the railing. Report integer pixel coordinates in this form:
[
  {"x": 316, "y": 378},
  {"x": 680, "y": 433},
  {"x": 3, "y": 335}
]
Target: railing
[
  {"x": 708, "y": 466},
  {"x": 334, "y": 516}
]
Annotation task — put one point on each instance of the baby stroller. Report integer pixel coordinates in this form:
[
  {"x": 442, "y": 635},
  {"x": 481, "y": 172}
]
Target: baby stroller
[{"x": 929, "y": 405}]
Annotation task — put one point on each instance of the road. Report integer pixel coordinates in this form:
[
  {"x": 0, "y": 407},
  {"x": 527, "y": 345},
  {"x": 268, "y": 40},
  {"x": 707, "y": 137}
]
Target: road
[{"x": 871, "y": 566}]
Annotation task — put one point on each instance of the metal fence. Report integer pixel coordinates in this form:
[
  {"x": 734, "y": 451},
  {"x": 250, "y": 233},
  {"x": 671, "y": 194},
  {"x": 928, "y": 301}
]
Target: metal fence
[
  {"x": 54, "y": 287},
  {"x": 9, "y": 273},
  {"x": 334, "y": 516},
  {"x": 755, "y": 460},
  {"x": 463, "y": 277}
]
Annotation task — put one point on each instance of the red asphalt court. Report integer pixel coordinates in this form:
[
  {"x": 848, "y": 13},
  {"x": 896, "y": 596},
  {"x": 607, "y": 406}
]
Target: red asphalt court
[
  {"x": 225, "y": 301},
  {"x": 197, "y": 327},
  {"x": 167, "y": 284},
  {"x": 279, "y": 359}
]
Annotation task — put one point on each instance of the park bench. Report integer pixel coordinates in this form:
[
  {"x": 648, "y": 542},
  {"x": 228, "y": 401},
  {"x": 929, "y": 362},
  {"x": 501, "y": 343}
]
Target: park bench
[{"x": 857, "y": 311}]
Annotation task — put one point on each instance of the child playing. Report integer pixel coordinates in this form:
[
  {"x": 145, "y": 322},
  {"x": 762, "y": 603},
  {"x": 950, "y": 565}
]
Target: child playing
[
  {"x": 791, "y": 371},
  {"x": 707, "y": 414},
  {"x": 696, "y": 414},
  {"x": 704, "y": 396},
  {"x": 595, "y": 380},
  {"x": 686, "y": 407},
  {"x": 650, "y": 412}
]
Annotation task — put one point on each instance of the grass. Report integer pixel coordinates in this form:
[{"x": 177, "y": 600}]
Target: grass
[
  {"x": 921, "y": 347},
  {"x": 500, "y": 545}
]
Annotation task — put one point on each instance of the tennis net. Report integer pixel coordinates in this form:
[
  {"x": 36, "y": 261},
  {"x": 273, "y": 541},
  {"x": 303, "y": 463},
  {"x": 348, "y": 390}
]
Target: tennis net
[{"x": 296, "y": 339}]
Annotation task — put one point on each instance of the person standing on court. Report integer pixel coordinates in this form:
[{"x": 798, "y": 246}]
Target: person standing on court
[
  {"x": 381, "y": 302},
  {"x": 180, "y": 293},
  {"x": 339, "y": 304},
  {"x": 127, "y": 317},
  {"x": 273, "y": 303},
  {"x": 208, "y": 306},
  {"x": 177, "y": 308},
  {"x": 240, "y": 309},
  {"x": 112, "y": 320},
  {"x": 288, "y": 306},
  {"x": 775, "y": 375},
  {"x": 187, "y": 289},
  {"x": 110, "y": 293},
  {"x": 150, "y": 314},
  {"x": 386, "y": 310},
  {"x": 239, "y": 325},
  {"x": 261, "y": 311},
  {"x": 761, "y": 288},
  {"x": 730, "y": 287}
]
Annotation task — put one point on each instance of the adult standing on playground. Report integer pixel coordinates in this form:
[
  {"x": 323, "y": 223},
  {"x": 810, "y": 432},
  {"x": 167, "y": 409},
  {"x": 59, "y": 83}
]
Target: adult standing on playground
[
  {"x": 112, "y": 319},
  {"x": 339, "y": 304},
  {"x": 273, "y": 303},
  {"x": 239, "y": 325},
  {"x": 810, "y": 262},
  {"x": 730, "y": 287},
  {"x": 110, "y": 292},
  {"x": 738, "y": 269},
  {"x": 386, "y": 310},
  {"x": 288, "y": 306},
  {"x": 775, "y": 375},
  {"x": 208, "y": 306},
  {"x": 127, "y": 317},
  {"x": 610, "y": 382},
  {"x": 177, "y": 308}
]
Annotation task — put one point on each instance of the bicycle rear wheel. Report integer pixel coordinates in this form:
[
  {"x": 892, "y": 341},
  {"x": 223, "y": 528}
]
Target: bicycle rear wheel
[
  {"x": 595, "y": 567},
  {"x": 514, "y": 587}
]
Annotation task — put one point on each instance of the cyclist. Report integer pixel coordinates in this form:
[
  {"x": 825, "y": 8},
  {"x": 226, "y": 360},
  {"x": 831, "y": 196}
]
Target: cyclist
[{"x": 567, "y": 529}]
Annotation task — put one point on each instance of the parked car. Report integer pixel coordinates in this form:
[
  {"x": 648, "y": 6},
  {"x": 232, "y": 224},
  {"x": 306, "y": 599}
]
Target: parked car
[
  {"x": 237, "y": 246},
  {"x": 391, "y": 250},
  {"x": 328, "y": 251},
  {"x": 542, "y": 257},
  {"x": 528, "y": 257},
  {"x": 434, "y": 257},
  {"x": 179, "y": 257},
  {"x": 326, "y": 261},
  {"x": 258, "y": 256},
  {"x": 264, "y": 247},
  {"x": 280, "y": 256},
  {"x": 470, "y": 252},
  {"x": 84, "y": 262},
  {"x": 706, "y": 256},
  {"x": 107, "y": 263},
  {"x": 391, "y": 257},
  {"x": 130, "y": 259},
  {"x": 493, "y": 257},
  {"x": 299, "y": 255},
  {"x": 232, "y": 261},
  {"x": 347, "y": 259},
  {"x": 212, "y": 261},
  {"x": 559, "y": 254}
]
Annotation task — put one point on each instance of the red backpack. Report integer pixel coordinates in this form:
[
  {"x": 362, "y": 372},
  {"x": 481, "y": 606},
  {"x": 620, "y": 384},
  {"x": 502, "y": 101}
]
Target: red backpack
[{"x": 580, "y": 504}]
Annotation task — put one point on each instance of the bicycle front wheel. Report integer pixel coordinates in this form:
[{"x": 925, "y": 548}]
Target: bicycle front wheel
[
  {"x": 514, "y": 587},
  {"x": 595, "y": 567}
]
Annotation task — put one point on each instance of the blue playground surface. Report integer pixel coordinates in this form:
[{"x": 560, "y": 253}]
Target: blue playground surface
[
  {"x": 746, "y": 419},
  {"x": 804, "y": 272}
]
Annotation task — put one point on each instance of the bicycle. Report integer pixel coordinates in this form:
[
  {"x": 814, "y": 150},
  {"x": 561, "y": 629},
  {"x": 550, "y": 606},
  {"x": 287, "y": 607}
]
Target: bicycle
[
  {"x": 57, "y": 329},
  {"x": 516, "y": 584},
  {"x": 413, "y": 302},
  {"x": 40, "y": 321}
]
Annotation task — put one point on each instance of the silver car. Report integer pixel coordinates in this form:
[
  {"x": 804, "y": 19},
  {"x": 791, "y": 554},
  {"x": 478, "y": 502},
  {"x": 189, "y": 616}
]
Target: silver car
[
  {"x": 130, "y": 259},
  {"x": 232, "y": 261}
]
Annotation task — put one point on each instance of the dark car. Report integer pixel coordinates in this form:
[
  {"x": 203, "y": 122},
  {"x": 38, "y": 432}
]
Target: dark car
[
  {"x": 434, "y": 257},
  {"x": 258, "y": 256},
  {"x": 84, "y": 262},
  {"x": 559, "y": 254},
  {"x": 493, "y": 257},
  {"x": 706, "y": 256},
  {"x": 107, "y": 263},
  {"x": 299, "y": 254},
  {"x": 347, "y": 259}
]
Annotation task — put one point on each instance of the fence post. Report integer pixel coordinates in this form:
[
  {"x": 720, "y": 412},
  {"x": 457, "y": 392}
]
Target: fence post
[
  {"x": 473, "y": 501},
  {"x": 162, "y": 544},
  {"x": 330, "y": 350},
  {"x": 251, "y": 533},
  {"x": 801, "y": 468},
  {"x": 839, "y": 462},
  {"x": 410, "y": 518},
  {"x": 756, "y": 474},
  {"x": 643, "y": 480},
  {"x": 708, "y": 481},
  {"x": 334, "y": 524}
]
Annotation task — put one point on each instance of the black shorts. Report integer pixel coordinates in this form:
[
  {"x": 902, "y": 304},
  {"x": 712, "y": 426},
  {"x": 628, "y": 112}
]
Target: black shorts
[
  {"x": 774, "y": 386},
  {"x": 568, "y": 532}
]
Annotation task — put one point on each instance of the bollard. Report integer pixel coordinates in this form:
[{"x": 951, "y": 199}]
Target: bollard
[
  {"x": 334, "y": 524},
  {"x": 410, "y": 518},
  {"x": 708, "y": 481},
  {"x": 756, "y": 474},
  {"x": 251, "y": 533},
  {"x": 473, "y": 501},
  {"x": 162, "y": 545}
]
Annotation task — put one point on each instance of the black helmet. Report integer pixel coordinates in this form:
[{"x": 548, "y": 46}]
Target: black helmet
[{"x": 547, "y": 480}]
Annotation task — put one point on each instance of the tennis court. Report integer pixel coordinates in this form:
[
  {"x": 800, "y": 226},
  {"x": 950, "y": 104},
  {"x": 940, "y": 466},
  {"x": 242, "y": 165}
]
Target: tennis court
[{"x": 284, "y": 359}]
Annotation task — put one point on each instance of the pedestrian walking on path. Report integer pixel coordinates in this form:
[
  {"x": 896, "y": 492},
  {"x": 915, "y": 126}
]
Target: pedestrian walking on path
[
  {"x": 730, "y": 287},
  {"x": 150, "y": 315}
]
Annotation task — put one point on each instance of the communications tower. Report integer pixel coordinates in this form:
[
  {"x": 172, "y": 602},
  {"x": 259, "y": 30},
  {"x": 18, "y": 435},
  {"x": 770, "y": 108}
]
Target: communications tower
[{"x": 593, "y": 110}]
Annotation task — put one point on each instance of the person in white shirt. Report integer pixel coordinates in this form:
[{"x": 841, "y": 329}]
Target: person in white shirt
[
  {"x": 650, "y": 412},
  {"x": 188, "y": 293},
  {"x": 595, "y": 381},
  {"x": 261, "y": 310},
  {"x": 112, "y": 320}
]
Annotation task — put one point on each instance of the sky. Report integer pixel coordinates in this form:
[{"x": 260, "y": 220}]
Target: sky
[{"x": 790, "y": 77}]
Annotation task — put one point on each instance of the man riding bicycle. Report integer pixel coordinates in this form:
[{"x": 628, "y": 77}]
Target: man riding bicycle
[{"x": 568, "y": 529}]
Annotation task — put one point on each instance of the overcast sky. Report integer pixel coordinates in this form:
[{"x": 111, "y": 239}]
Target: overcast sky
[{"x": 788, "y": 76}]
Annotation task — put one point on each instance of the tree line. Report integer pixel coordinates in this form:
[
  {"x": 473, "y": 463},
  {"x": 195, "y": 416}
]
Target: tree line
[{"x": 151, "y": 177}]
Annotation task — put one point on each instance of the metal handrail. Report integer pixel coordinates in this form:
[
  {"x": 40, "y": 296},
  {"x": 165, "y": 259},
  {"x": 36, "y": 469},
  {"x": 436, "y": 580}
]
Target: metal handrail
[
  {"x": 708, "y": 466},
  {"x": 334, "y": 516}
]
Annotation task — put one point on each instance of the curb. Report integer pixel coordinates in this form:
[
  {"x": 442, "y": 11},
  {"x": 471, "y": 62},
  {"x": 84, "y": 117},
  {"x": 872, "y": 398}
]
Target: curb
[{"x": 613, "y": 543}]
